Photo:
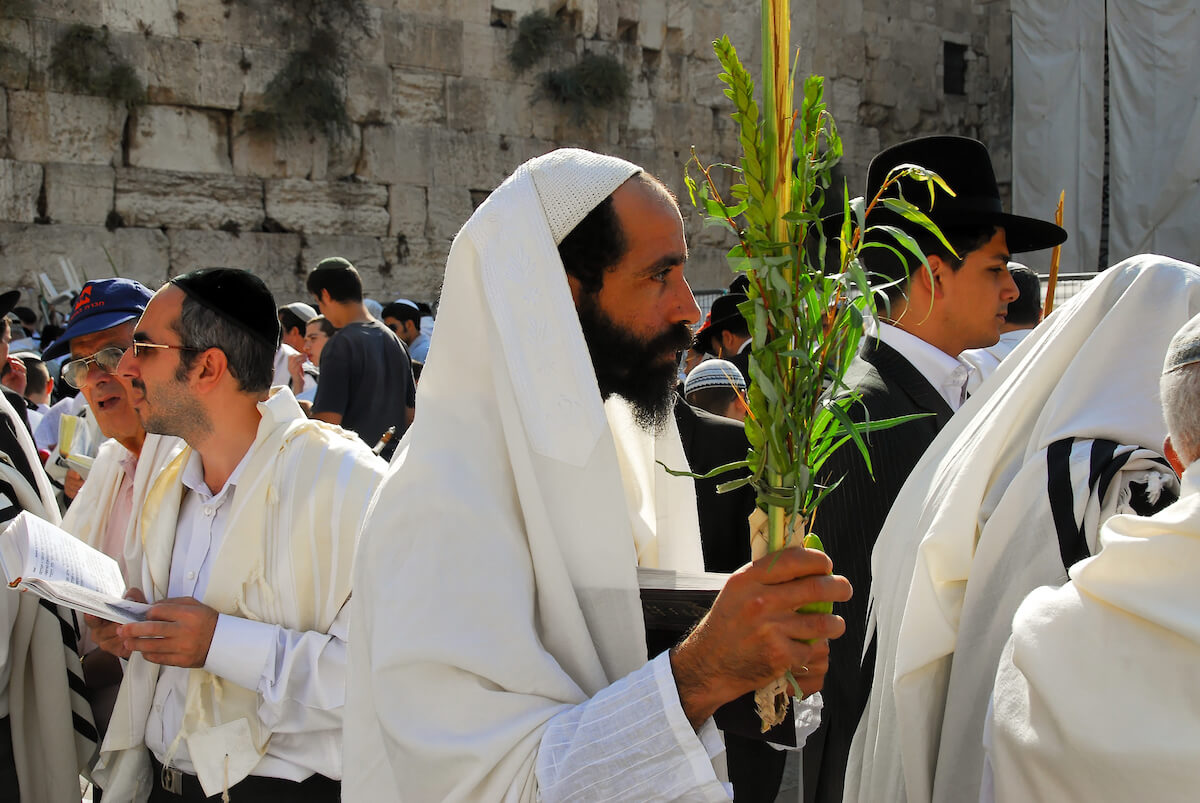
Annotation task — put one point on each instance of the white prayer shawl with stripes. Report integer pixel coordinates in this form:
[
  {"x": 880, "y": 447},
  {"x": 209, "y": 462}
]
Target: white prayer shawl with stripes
[
  {"x": 87, "y": 518},
  {"x": 974, "y": 528},
  {"x": 497, "y": 573},
  {"x": 54, "y": 739},
  {"x": 288, "y": 560},
  {"x": 1096, "y": 695}
]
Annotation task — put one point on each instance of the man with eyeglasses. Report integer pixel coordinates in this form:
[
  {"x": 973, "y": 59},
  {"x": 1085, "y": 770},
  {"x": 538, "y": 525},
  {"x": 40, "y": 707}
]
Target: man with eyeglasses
[
  {"x": 98, "y": 332},
  {"x": 245, "y": 546}
]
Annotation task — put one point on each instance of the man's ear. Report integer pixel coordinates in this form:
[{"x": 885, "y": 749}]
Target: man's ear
[
  {"x": 576, "y": 289},
  {"x": 208, "y": 369},
  {"x": 931, "y": 278}
]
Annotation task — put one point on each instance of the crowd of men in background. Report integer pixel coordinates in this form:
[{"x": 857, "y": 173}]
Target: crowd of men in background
[{"x": 231, "y": 454}]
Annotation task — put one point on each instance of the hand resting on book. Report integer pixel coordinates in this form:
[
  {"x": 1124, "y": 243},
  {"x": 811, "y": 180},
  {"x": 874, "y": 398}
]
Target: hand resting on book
[{"x": 177, "y": 632}]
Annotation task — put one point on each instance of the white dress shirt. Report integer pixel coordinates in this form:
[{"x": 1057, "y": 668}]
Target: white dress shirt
[
  {"x": 300, "y": 676},
  {"x": 986, "y": 361},
  {"x": 947, "y": 374}
]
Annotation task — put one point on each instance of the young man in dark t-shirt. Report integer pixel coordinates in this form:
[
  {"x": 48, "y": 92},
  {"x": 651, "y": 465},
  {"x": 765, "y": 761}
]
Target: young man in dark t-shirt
[{"x": 366, "y": 376}]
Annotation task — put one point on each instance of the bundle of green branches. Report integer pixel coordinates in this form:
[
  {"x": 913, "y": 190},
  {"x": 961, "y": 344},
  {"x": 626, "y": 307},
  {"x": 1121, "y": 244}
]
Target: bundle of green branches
[
  {"x": 805, "y": 321},
  {"x": 306, "y": 94}
]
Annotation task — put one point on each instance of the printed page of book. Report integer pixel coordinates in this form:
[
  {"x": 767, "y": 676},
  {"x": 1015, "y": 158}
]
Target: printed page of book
[{"x": 45, "y": 559}]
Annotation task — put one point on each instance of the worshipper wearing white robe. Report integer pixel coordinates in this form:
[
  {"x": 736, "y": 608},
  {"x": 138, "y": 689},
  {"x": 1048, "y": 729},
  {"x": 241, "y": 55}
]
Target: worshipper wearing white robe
[
  {"x": 1022, "y": 316},
  {"x": 1066, "y": 434},
  {"x": 47, "y": 736},
  {"x": 244, "y": 543},
  {"x": 101, "y": 514},
  {"x": 1096, "y": 695},
  {"x": 498, "y": 648}
]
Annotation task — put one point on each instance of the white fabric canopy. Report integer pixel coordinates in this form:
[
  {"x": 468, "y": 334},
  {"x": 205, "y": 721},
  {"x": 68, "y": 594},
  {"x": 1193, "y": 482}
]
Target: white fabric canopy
[
  {"x": 1154, "y": 125},
  {"x": 973, "y": 529},
  {"x": 1058, "y": 119}
]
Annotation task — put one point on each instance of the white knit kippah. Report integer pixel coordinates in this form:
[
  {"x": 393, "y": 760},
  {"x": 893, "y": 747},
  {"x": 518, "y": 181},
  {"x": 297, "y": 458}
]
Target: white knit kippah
[
  {"x": 714, "y": 374},
  {"x": 570, "y": 182},
  {"x": 1184, "y": 348}
]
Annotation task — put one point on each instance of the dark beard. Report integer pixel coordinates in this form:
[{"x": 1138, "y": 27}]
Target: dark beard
[{"x": 633, "y": 368}]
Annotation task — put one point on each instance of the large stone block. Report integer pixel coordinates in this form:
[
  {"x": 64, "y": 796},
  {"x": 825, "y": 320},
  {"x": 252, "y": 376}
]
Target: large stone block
[
  {"x": 258, "y": 67},
  {"x": 476, "y": 161},
  {"x": 284, "y": 155},
  {"x": 484, "y": 51},
  {"x": 369, "y": 93},
  {"x": 652, "y": 24},
  {"x": 16, "y": 45},
  {"x": 477, "y": 104},
  {"x": 177, "y": 138},
  {"x": 365, "y": 253},
  {"x": 221, "y": 75},
  {"x": 169, "y": 68},
  {"x": 274, "y": 257},
  {"x": 397, "y": 154},
  {"x": 188, "y": 200},
  {"x": 155, "y": 17},
  {"x": 449, "y": 208},
  {"x": 328, "y": 207},
  {"x": 20, "y": 185},
  {"x": 51, "y": 127},
  {"x": 71, "y": 12},
  {"x": 406, "y": 205},
  {"x": 429, "y": 42},
  {"x": 79, "y": 194},
  {"x": 31, "y": 249},
  {"x": 201, "y": 20},
  {"x": 418, "y": 98}
]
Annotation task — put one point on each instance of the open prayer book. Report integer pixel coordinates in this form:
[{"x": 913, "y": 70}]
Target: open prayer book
[
  {"x": 672, "y": 604},
  {"x": 47, "y": 560}
]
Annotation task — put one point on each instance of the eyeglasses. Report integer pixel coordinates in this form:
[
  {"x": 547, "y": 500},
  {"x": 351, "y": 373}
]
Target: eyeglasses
[
  {"x": 75, "y": 372},
  {"x": 139, "y": 347}
]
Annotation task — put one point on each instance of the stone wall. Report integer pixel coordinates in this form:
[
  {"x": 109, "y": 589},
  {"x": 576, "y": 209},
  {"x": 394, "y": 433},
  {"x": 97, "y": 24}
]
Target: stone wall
[{"x": 438, "y": 118}]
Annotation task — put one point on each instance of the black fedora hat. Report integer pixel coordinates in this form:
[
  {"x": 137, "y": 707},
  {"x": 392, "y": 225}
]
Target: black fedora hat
[
  {"x": 965, "y": 166},
  {"x": 724, "y": 311}
]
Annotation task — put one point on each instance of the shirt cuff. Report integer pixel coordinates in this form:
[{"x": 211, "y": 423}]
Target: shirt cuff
[
  {"x": 241, "y": 650},
  {"x": 699, "y": 747}
]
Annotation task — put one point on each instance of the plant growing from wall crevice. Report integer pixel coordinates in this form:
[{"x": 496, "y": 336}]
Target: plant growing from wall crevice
[
  {"x": 584, "y": 83},
  {"x": 85, "y": 61},
  {"x": 308, "y": 93}
]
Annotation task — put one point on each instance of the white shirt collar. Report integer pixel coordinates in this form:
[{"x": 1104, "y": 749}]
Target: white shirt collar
[
  {"x": 947, "y": 374},
  {"x": 193, "y": 478}
]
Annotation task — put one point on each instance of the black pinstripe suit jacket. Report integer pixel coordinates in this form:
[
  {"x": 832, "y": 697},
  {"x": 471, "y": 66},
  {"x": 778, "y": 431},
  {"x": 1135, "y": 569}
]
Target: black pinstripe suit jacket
[{"x": 849, "y": 521}]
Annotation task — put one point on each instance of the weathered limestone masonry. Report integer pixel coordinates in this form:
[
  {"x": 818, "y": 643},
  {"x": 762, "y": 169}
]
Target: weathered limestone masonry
[{"x": 438, "y": 118}]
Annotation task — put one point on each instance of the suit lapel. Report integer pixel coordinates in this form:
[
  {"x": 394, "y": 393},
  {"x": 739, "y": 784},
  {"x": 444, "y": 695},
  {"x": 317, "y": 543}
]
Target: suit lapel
[{"x": 892, "y": 366}]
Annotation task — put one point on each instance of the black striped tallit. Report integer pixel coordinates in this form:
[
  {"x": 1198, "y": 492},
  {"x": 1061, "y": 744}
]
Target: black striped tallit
[{"x": 1103, "y": 459}]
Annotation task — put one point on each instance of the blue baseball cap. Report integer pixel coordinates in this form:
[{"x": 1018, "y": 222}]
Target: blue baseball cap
[{"x": 102, "y": 304}]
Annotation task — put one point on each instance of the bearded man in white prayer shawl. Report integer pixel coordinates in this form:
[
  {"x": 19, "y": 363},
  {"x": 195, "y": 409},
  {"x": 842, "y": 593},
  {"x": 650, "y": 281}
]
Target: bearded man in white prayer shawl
[
  {"x": 1095, "y": 696},
  {"x": 1066, "y": 434},
  {"x": 498, "y": 649},
  {"x": 244, "y": 544}
]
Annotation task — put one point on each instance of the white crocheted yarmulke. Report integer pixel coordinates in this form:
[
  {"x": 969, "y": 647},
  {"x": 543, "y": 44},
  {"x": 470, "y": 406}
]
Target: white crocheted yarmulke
[
  {"x": 714, "y": 374},
  {"x": 570, "y": 182}
]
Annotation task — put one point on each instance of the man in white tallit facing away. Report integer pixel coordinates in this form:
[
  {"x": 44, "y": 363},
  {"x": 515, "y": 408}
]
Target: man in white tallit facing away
[
  {"x": 497, "y": 646},
  {"x": 244, "y": 544},
  {"x": 1065, "y": 434},
  {"x": 1096, "y": 694}
]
